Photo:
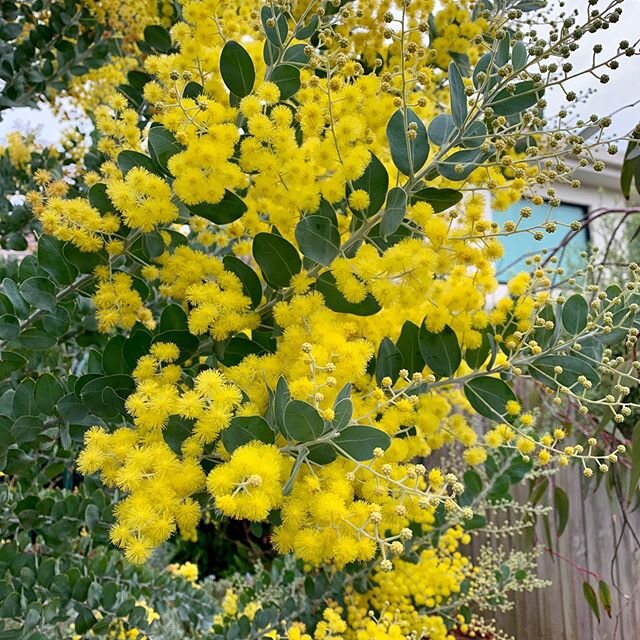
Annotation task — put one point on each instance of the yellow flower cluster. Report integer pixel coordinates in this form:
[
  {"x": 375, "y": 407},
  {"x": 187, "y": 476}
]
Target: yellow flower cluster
[
  {"x": 19, "y": 148},
  {"x": 76, "y": 221},
  {"x": 188, "y": 571},
  {"x": 397, "y": 603},
  {"x": 118, "y": 126},
  {"x": 217, "y": 301},
  {"x": 159, "y": 483},
  {"x": 203, "y": 171},
  {"x": 402, "y": 595},
  {"x": 139, "y": 461},
  {"x": 143, "y": 199},
  {"x": 250, "y": 485},
  {"x": 117, "y": 303}
]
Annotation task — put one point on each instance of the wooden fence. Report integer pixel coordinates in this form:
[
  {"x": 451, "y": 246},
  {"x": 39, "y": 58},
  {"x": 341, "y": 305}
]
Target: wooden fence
[{"x": 583, "y": 552}]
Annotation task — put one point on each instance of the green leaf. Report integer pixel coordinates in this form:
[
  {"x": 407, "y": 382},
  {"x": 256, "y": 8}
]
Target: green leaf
[
  {"x": 85, "y": 618},
  {"x": 591, "y": 599},
  {"x": 46, "y": 572},
  {"x": 489, "y": 397},
  {"x": 276, "y": 34},
  {"x": 359, "y": 442},
  {"x": 441, "y": 351},
  {"x": 561, "y": 506},
  {"x": 634, "y": 476},
  {"x": 277, "y": 258},
  {"x": 343, "y": 410},
  {"x": 163, "y": 145},
  {"x": 575, "y": 314},
  {"x": 270, "y": 53},
  {"x": 176, "y": 432},
  {"x": 542, "y": 335},
  {"x": 27, "y": 429},
  {"x": 229, "y": 209},
  {"x": 395, "y": 212},
  {"x": 9, "y": 327},
  {"x": 13, "y": 293},
  {"x": 442, "y": 129},
  {"x": 322, "y": 453},
  {"x": 39, "y": 292},
  {"x": 10, "y": 607},
  {"x": 474, "y": 135},
  {"x": 85, "y": 262},
  {"x": 238, "y": 348},
  {"x": 57, "y": 323},
  {"x": 127, "y": 160},
  {"x": 113, "y": 358},
  {"x": 99, "y": 199},
  {"x": 48, "y": 392},
  {"x": 51, "y": 259},
  {"x": 542, "y": 369},
  {"x": 628, "y": 170},
  {"x": 326, "y": 285},
  {"x": 439, "y": 199},
  {"x": 153, "y": 244},
  {"x": 519, "y": 56},
  {"x": 245, "y": 429},
  {"x": 318, "y": 238},
  {"x": 408, "y": 155},
  {"x": 192, "y": 90},
  {"x": 280, "y": 401},
  {"x": 71, "y": 408},
  {"x": 23, "y": 400},
  {"x": 296, "y": 55},
  {"x": 375, "y": 181},
  {"x": 605, "y": 597},
  {"x": 157, "y": 37},
  {"x": 457, "y": 95},
  {"x": 303, "y": 32},
  {"x": 251, "y": 284},
  {"x": 468, "y": 161},
  {"x": 236, "y": 69},
  {"x": 388, "y": 362},
  {"x": 36, "y": 339},
  {"x": 302, "y": 422},
  {"x": 502, "y": 48},
  {"x": 287, "y": 78},
  {"x": 475, "y": 358},
  {"x": 506, "y": 103},
  {"x": 409, "y": 346}
]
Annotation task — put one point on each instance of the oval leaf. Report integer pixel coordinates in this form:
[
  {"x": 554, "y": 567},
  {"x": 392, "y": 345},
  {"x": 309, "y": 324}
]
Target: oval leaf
[
  {"x": 302, "y": 422},
  {"x": 388, "y": 362},
  {"x": 457, "y": 95},
  {"x": 236, "y": 69},
  {"x": 440, "y": 351},
  {"x": 489, "y": 397},
  {"x": 359, "y": 442},
  {"x": 318, "y": 238},
  {"x": 575, "y": 314},
  {"x": 375, "y": 181},
  {"x": 245, "y": 429},
  {"x": 333, "y": 298},
  {"x": 277, "y": 258},
  {"x": 229, "y": 209},
  {"x": 395, "y": 212},
  {"x": 408, "y": 155}
]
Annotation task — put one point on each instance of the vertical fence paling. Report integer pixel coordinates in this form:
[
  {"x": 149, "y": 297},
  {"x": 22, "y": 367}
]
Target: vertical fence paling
[{"x": 583, "y": 552}]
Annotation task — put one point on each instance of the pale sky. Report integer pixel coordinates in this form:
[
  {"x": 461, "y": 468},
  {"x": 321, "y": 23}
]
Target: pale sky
[
  {"x": 622, "y": 89},
  {"x": 624, "y": 86}
]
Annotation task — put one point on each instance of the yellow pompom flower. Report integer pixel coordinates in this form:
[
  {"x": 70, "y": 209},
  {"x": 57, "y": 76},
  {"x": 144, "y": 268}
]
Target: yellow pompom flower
[{"x": 250, "y": 485}]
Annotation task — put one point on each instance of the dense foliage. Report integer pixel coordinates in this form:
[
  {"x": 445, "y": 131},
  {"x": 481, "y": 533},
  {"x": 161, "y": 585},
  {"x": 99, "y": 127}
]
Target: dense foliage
[{"x": 257, "y": 333}]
